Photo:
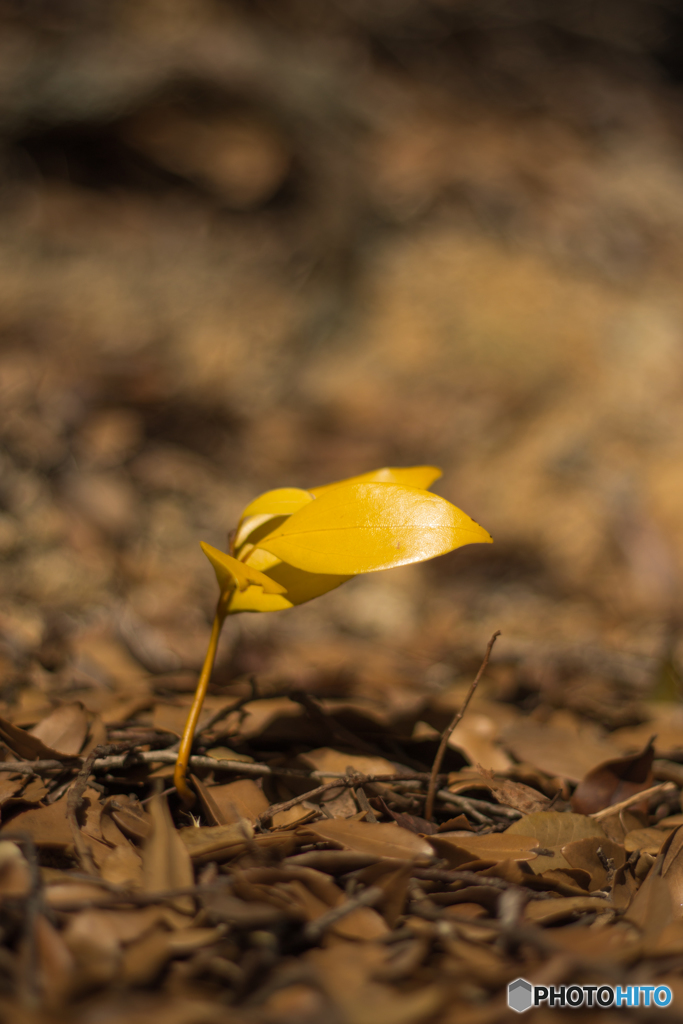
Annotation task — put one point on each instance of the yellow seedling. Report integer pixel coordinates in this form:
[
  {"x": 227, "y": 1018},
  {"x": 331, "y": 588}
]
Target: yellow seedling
[{"x": 292, "y": 545}]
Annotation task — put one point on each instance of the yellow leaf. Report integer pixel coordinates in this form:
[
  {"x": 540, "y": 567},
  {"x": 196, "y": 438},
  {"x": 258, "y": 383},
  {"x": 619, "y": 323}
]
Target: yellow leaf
[
  {"x": 412, "y": 476},
  {"x": 300, "y": 587},
  {"x": 281, "y": 502},
  {"x": 364, "y": 527},
  {"x": 231, "y": 573},
  {"x": 254, "y": 599}
]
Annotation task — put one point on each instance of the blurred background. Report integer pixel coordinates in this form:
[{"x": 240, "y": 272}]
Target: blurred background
[{"x": 255, "y": 243}]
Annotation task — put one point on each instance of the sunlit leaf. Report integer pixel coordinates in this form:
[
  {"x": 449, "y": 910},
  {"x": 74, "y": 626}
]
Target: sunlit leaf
[
  {"x": 412, "y": 476},
  {"x": 231, "y": 573},
  {"x": 281, "y": 502},
  {"x": 356, "y": 528},
  {"x": 300, "y": 587}
]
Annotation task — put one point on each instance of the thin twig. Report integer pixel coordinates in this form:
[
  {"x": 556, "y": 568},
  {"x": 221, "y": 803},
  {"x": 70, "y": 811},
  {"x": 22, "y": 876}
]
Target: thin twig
[
  {"x": 33, "y": 767},
  {"x": 635, "y": 798},
  {"x": 73, "y": 802},
  {"x": 470, "y": 803},
  {"x": 429, "y": 805}
]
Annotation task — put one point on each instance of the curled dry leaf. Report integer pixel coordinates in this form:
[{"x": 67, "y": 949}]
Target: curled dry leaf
[
  {"x": 24, "y": 744},
  {"x": 64, "y": 730},
  {"x": 614, "y": 780}
]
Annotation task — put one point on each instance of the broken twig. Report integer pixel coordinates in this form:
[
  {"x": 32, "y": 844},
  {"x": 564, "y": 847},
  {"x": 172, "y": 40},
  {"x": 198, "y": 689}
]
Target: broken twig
[{"x": 429, "y": 805}]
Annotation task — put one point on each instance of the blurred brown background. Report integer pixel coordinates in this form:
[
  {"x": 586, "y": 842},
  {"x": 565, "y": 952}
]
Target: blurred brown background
[{"x": 250, "y": 244}]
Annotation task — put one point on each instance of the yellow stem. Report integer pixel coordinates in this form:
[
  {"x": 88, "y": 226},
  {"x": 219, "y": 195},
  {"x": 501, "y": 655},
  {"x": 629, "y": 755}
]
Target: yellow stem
[{"x": 180, "y": 773}]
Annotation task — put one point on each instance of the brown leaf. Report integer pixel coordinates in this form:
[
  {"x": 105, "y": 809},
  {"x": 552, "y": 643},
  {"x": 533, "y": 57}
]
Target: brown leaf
[
  {"x": 647, "y": 840},
  {"x": 47, "y": 826},
  {"x": 215, "y": 840},
  {"x": 555, "y": 828},
  {"x": 330, "y": 760},
  {"x": 166, "y": 862},
  {"x": 563, "y": 909},
  {"x": 130, "y": 817},
  {"x": 64, "y": 730},
  {"x": 561, "y": 747},
  {"x": 233, "y": 800},
  {"x": 462, "y": 848},
  {"x": 34, "y": 793},
  {"x": 25, "y": 745},
  {"x": 9, "y": 787},
  {"x": 655, "y": 905},
  {"x": 380, "y": 839},
  {"x": 614, "y": 780},
  {"x": 514, "y": 794},
  {"x": 583, "y": 853}
]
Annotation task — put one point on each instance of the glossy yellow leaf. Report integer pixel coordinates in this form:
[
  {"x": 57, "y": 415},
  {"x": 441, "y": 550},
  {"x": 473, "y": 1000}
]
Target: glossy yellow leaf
[
  {"x": 300, "y": 586},
  {"x": 257, "y": 558},
  {"x": 230, "y": 573},
  {"x": 280, "y": 502},
  {"x": 363, "y": 527},
  {"x": 283, "y": 501},
  {"x": 412, "y": 476},
  {"x": 254, "y": 599}
]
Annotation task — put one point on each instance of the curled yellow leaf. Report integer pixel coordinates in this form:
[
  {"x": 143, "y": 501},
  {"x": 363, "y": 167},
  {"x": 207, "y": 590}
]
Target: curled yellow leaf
[
  {"x": 363, "y": 527},
  {"x": 300, "y": 586},
  {"x": 283, "y": 501},
  {"x": 230, "y": 573}
]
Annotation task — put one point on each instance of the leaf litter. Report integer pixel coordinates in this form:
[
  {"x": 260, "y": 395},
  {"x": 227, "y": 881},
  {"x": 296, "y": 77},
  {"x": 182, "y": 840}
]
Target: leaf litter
[{"x": 311, "y": 879}]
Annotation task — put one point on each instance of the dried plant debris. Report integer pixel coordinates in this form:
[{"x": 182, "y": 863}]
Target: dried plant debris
[{"x": 309, "y": 880}]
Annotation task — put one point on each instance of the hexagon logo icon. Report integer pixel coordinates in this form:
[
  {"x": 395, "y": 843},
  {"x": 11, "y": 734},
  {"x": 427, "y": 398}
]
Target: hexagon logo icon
[{"x": 520, "y": 995}]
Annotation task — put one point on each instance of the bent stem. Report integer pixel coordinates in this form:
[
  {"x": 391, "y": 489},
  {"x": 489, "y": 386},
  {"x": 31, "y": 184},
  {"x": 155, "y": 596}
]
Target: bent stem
[{"x": 180, "y": 772}]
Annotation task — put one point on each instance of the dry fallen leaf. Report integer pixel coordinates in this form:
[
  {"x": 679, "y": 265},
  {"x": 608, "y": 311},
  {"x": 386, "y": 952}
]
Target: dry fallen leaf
[
  {"x": 64, "y": 730},
  {"x": 464, "y": 848},
  {"x": 379, "y": 840},
  {"x": 166, "y": 862},
  {"x": 613, "y": 781}
]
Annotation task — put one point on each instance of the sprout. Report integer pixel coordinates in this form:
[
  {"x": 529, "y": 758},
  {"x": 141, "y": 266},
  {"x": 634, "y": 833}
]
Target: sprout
[{"x": 292, "y": 545}]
